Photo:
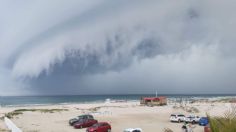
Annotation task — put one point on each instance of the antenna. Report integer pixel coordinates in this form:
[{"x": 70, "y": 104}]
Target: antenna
[{"x": 156, "y": 93}]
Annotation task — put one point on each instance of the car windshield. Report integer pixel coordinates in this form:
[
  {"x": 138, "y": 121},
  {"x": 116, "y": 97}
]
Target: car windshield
[
  {"x": 81, "y": 117},
  {"x": 77, "y": 118},
  {"x": 96, "y": 125},
  {"x": 173, "y": 115}
]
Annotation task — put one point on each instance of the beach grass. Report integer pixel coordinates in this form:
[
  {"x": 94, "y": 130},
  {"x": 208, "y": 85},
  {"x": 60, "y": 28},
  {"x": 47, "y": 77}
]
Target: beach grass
[
  {"x": 4, "y": 130},
  {"x": 12, "y": 114},
  {"x": 187, "y": 109},
  {"x": 225, "y": 123},
  {"x": 20, "y": 111},
  {"x": 41, "y": 110}
]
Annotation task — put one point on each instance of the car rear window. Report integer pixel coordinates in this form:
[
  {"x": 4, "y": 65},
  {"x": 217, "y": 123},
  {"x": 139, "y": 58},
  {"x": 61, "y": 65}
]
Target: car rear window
[
  {"x": 104, "y": 124},
  {"x": 204, "y": 118}
]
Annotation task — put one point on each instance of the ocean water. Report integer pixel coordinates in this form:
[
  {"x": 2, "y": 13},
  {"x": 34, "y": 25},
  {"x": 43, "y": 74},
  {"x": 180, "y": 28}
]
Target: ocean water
[{"x": 8, "y": 101}]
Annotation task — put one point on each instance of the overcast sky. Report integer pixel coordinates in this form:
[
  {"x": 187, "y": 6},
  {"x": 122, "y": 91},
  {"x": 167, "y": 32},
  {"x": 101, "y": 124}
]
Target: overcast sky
[{"x": 117, "y": 47}]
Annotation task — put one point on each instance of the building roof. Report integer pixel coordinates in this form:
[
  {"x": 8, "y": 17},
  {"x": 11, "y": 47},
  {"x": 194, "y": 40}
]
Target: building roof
[{"x": 153, "y": 98}]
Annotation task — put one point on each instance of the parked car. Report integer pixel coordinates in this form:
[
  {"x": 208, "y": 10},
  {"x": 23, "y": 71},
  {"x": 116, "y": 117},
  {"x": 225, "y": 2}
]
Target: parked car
[
  {"x": 76, "y": 119},
  {"x": 133, "y": 130},
  {"x": 192, "y": 118},
  {"x": 177, "y": 118},
  {"x": 83, "y": 123},
  {"x": 100, "y": 127},
  {"x": 203, "y": 121}
]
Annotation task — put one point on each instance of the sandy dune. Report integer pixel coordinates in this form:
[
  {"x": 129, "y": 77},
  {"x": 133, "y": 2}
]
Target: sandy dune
[{"x": 119, "y": 115}]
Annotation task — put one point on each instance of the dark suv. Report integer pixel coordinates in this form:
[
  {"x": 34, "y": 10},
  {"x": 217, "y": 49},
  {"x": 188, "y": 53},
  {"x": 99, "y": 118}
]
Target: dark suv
[{"x": 78, "y": 118}]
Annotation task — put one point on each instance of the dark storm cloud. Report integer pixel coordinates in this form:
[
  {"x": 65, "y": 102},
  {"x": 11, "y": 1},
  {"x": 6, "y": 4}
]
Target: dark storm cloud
[{"x": 80, "y": 47}]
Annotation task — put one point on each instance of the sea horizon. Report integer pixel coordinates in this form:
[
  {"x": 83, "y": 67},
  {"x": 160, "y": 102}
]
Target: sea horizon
[{"x": 165, "y": 94}]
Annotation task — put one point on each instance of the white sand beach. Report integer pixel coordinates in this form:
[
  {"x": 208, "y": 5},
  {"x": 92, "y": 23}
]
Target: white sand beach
[{"x": 119, "y": 115}]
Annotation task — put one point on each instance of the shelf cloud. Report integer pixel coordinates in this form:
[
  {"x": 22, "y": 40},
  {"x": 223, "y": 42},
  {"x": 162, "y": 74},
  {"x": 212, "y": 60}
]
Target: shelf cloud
[{"x": 110, "y": 47}]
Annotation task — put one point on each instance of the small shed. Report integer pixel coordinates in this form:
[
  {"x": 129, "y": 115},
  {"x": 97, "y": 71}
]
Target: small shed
[{"x": 153, "y": 101}]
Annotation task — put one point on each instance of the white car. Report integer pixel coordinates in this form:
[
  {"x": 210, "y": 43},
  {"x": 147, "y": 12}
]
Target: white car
[
  {"x": 133, "y": 130},
  {"x": 192, "y": 118},
  {"x": 177, "y": 118}
]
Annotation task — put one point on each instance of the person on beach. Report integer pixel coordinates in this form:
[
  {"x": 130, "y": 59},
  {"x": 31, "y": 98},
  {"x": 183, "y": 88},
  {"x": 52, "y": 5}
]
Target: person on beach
[
  {"x": 184, "y": 127},
  {"x": 190, "y": 127}
]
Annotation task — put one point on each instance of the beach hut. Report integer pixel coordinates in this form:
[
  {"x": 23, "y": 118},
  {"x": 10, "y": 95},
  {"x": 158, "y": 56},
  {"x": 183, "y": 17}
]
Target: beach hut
[{"x": 153, "y": 101}]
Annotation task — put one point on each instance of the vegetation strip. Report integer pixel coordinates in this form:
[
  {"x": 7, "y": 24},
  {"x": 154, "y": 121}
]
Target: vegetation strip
[{"x": 20, "y": 111}]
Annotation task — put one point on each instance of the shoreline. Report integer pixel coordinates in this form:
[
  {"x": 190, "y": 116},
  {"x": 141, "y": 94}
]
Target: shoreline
[
  {"x": 170, "y": 99},
  {"x": 60, "y": 104}
]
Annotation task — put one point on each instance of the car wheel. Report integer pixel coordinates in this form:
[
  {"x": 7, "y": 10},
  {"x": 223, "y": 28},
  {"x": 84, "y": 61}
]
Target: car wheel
[
  {"x": 109, "y": 130},
  {"x": 193, "y": 122},
  {"x": 179, "y": 120}
]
